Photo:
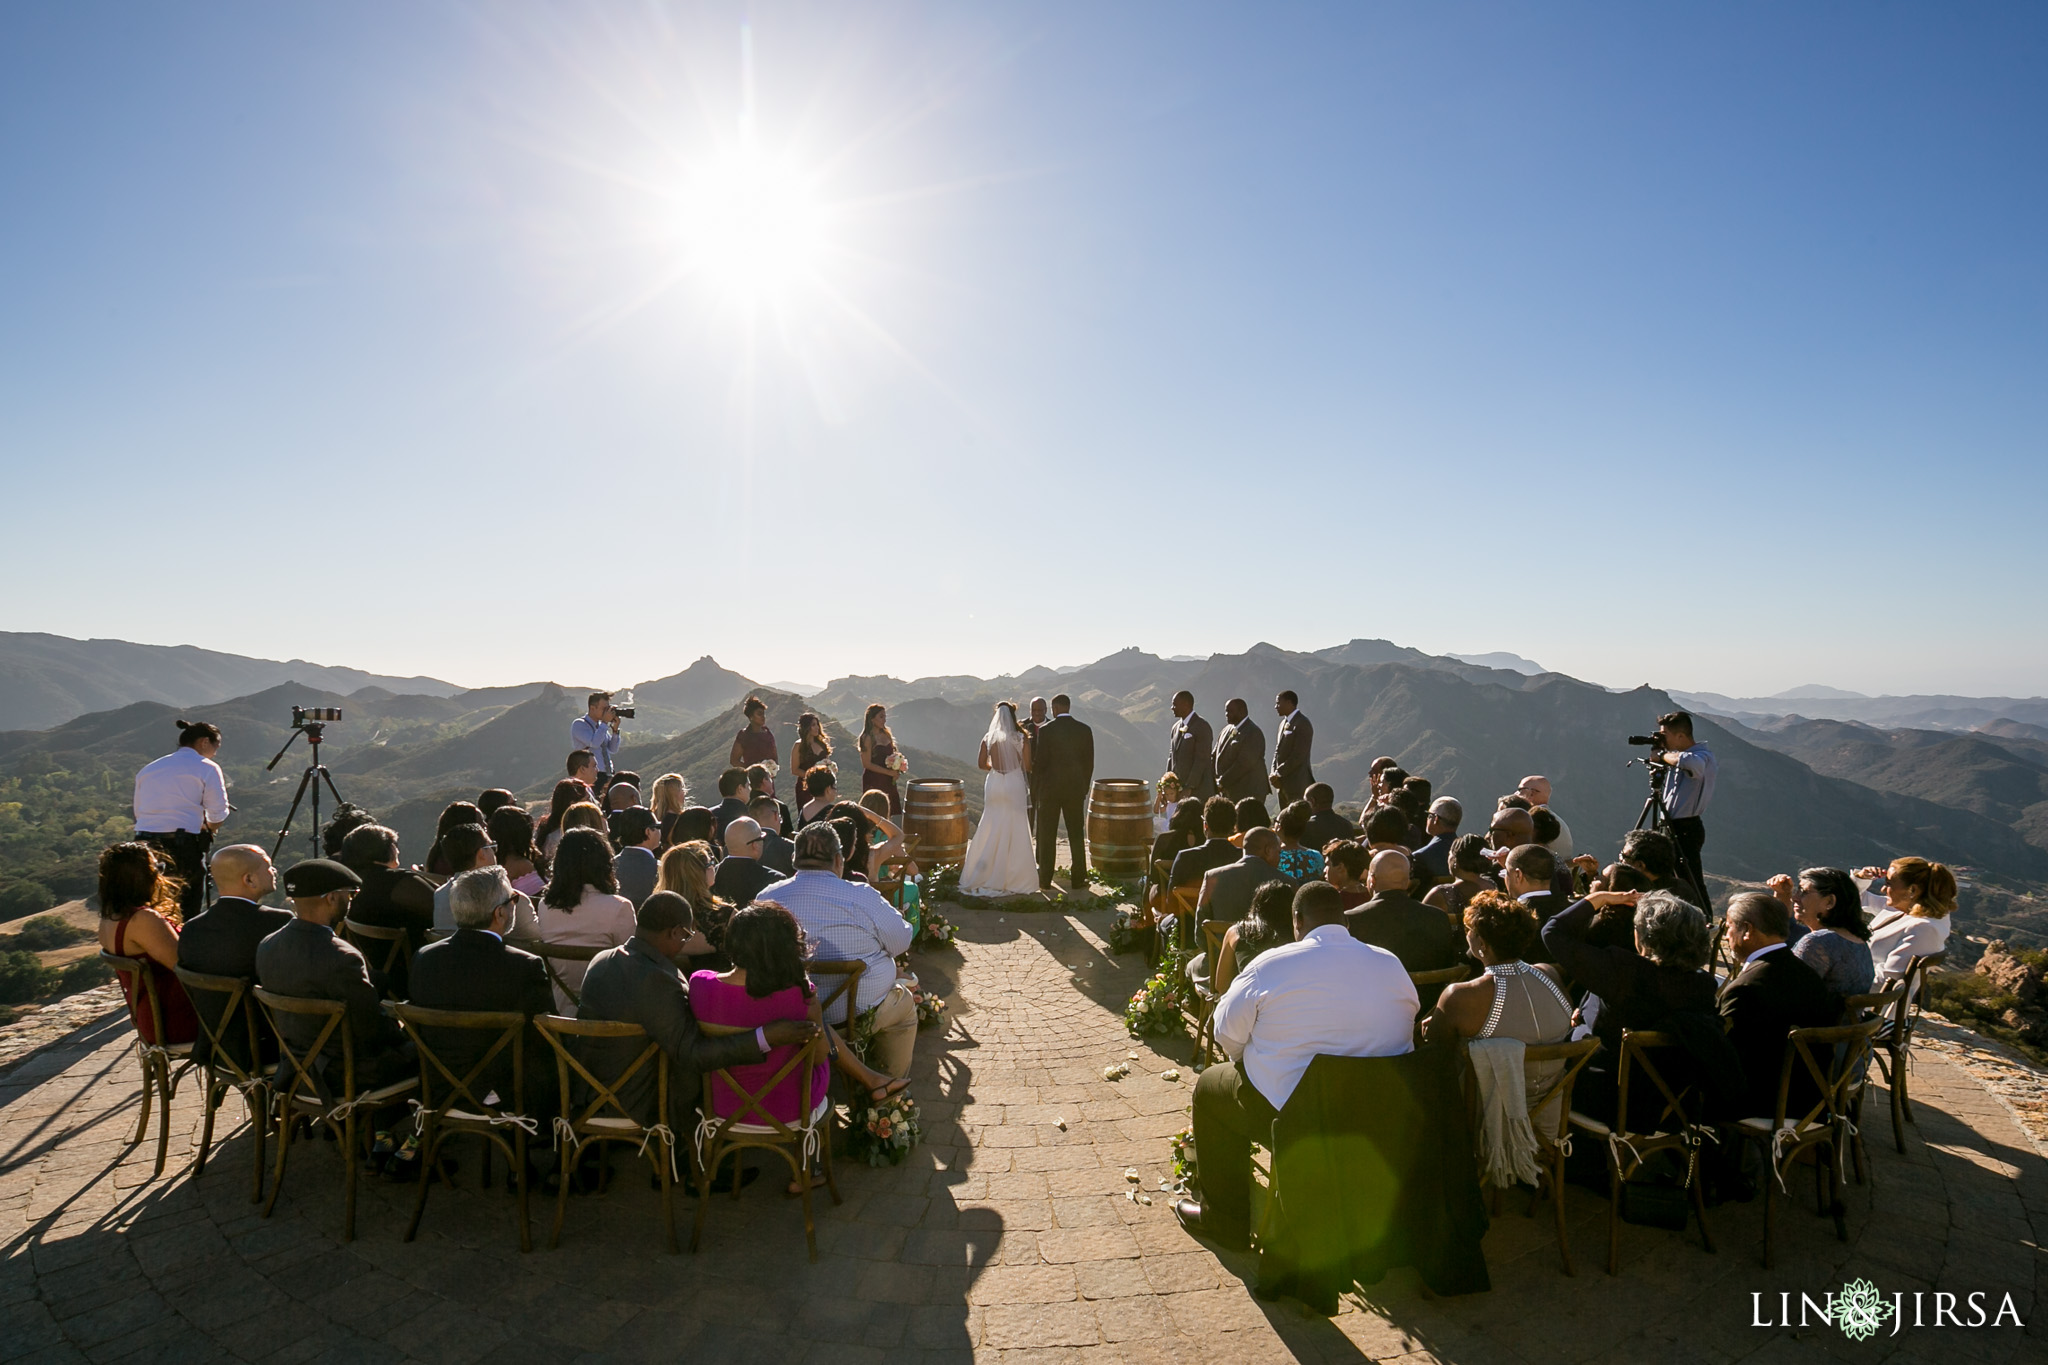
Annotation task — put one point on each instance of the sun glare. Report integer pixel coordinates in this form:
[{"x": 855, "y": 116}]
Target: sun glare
[{"x": 752, "y": 227}]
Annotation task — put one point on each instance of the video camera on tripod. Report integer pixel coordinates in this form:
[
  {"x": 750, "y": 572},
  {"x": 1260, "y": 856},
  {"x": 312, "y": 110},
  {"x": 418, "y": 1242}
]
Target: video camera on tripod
[{"x": 312, "y": 722}]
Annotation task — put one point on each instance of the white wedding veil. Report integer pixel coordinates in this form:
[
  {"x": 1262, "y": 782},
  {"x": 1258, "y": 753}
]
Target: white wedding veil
[{"x": 1005, "y": 741}]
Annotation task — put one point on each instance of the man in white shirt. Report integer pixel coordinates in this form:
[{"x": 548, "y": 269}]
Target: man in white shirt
[
  {"x": 1325, "y": 993},
  {"x": 1536, "y": 789},
  {"x": 180, "y": 800}
]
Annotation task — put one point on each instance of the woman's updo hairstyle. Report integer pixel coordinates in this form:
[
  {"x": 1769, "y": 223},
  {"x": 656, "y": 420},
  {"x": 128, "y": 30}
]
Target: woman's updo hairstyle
[{"x": 190, "y": 732}]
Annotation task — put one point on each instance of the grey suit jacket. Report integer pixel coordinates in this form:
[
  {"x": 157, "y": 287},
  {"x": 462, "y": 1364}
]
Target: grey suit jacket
[
  {"x": 1291, "y": 755},
  {"x": 307, "y": 959},
  {"x": 1241, "y": 761},
  {"x": 1191, "y": 757},
  {"x": 1232, "y": 886},
  {"x": 634, "y": 984}
]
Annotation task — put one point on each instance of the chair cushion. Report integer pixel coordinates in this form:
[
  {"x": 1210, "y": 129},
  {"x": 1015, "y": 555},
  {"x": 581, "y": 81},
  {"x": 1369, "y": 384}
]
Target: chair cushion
[
  {"x": 1590, "y": 1124},
  {"x": 611, "y": 1125},
  {"x": 727, "y": 1126}
]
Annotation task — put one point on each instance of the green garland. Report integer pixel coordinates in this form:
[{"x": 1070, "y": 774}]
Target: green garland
[{"x": 1155, "y": 1008}]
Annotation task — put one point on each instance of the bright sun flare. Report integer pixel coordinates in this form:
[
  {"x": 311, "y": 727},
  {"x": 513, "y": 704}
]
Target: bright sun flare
[{"x": 752, "y": 227}]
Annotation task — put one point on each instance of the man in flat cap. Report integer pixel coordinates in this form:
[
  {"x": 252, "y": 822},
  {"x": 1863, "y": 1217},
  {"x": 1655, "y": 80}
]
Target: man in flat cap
[{"x": 306, "y": 958}]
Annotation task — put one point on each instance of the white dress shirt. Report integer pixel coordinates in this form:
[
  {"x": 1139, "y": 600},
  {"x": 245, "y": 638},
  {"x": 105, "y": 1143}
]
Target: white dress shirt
[
  {"x": 1327, "y": 994},
  {"x": 182, "y": 790}
]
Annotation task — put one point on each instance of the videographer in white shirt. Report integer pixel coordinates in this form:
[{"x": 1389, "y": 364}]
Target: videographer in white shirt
[{"x": 180, "y": 800}]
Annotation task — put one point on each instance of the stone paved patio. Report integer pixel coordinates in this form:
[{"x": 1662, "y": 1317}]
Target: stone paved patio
[{"x": 1009, "y": 1233}]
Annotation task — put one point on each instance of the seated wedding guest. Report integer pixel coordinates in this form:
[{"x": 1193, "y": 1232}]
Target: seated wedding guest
[
  {"x": 1322, "y": 994},
  {"x": 1412, "y": 800},
  {"x": 222, "y": 941},
  {"x": 1344, "y": 865},
  {"x": 389, "y": 895},
  {"x": 1614, "y": 922},
  {"x": 1441, "y": 825},
  {"x": 1536, "y": 791},
  {"x": 638, "y": 834},
  {"x": 732, "y": 800},
  {"x": 666, "y": 800},
  {"x": 1386, "y": 829},
  {"x": 1913, "y": 920},
  {"x": 307, "y": 959},
  {"x": 686, "y": 870},
  {"x": 453, "y": 814},
  {"x": 1165, "y": 801},
  {"x": 1227, "y": 891},
  {"x": 741, "y": 873},
  {"x": 1530, "y": 877},
  {"x": 492, "y": 800},
  {"x": 474, "y": 969},
  {"x": 1219, "y": 822},
  {"x": 1251, "y": 815},
  {"x": 761, "y": 783},
  {"x": 1298, "y": 862},
  {"x": 1829, "y": 934},
  {"x": 582, "y": 907},
  {"x": 765, "y": 983},
  {"x": 820, "y": 791},
  {"x": 777, "y": 850},
  {"x": 566, "y": 794},
  {"x": 1325, "y": 826},
  {"x": 1184, "y": 831},
  {"x": 345, "y": 822},
  {"x": 511, "y": 831},
  {"x": 1653, "y": 853},
  {"x": 1376, "y": 776},
  {"x": 848, "y": 820},
  {"x": 756, "y": 743},
  {"x": 884, "y": 836},
  {"x": 1471, "y": 873},
  {"x": 692, "y": 826},
  {"x": 583, "y": 815},
  {"x": 1268, "y": 924},
  {"x": 1549, "y": 830},
  {"x": 140, "y": 912},
  {"x": 1425, "y": 940},
  {"x": 1510, "y": 829},
  {"x": 630, "y": 778},
  {"x": 639, "y": 983},
  {"x": 1512, "y": 998},
  {"x": 1772, "y": 994},
  {"x": 850, "y": 922},
  {"x": 620, "y": 796},
  {"x": 469, "y": 848},
  {"x": 1659, "y": 982}
]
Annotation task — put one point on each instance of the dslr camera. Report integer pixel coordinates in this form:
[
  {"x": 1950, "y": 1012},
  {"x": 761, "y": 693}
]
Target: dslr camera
[
  {"x": 623, "y": 712},
  {"x": 1648, "y": 741},
  {"x": 317, "y": 715}
]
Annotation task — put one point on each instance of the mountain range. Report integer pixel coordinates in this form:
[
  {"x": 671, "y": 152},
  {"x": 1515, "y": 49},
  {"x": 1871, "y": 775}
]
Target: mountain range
[{"x": 1791, "y": 793}]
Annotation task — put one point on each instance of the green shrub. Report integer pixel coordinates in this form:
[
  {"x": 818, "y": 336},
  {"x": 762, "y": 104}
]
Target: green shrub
[
  {"x": 46, "y": 932},
  {"x": 24, "y": 978},
  {"x": 83, "y": 975},
  {"x": 25, "y": 898}
]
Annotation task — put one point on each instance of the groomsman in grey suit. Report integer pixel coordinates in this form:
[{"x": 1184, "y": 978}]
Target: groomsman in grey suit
[
  {"x": 1191, "y": 754},
  {"x": 1291, "y": 775},
  {"x": 1241, "y": 754}
]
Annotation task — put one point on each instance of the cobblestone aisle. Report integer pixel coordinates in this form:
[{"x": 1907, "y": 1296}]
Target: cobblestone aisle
[{"x": 1008, "y": 1234}]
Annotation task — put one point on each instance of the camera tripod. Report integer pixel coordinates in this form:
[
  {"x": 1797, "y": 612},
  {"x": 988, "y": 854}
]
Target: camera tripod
[
  {"x": 315, "y": 774},
  {"x": 1657, "y": 816}
]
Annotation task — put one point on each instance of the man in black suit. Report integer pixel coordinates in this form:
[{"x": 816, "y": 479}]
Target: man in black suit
[
  {"x": 222, "y": 941},
  {"x": 305, "y": 958},
  {"x": 732, "y": 801},
  {"x": 1773, "y": 994},
  {"x": 638, "y": 983},
  {"x": 777, "y": 851},
  {"x": 1421, "y": 936},
  {"x": 1241, "y": 755},
  {"x": 1191, "y": 750},
  {"x": 760, "y": 783},
  {"x": 1530, "y": 877},
  {"x": 1227, "y": 891},
  {"x": 1433, "y": 859},
  {"x": 1325, "y": 826},
  {"x": 1219, "y": 822},
  {"x": 475, "y": 969},
  {"x": 637, "y": 866},
  {"x": 741, "y": 873},
  {"x": 1063, "y": 757},
  {"x": 1291, "y": 745}
]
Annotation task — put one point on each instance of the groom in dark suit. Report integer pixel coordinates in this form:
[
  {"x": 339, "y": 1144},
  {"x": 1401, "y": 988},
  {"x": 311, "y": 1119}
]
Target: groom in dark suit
[{"x": 1063, "y": 764}]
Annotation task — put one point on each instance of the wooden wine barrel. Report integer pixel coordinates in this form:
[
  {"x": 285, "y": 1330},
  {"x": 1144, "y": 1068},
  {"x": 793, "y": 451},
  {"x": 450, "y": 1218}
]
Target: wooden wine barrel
[
  {"x": 935, "y": 809},
  {"x": 1120, "y": 826}
]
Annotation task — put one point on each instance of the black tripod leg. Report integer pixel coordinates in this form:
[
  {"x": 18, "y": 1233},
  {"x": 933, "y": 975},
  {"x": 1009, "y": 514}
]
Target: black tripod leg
[
  {"x": 338, "y": 802},
  {"x": 305, "y": 780}
]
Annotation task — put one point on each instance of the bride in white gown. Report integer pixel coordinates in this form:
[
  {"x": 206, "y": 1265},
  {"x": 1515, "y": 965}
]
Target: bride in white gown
[{"x": 1000, "y": 859}]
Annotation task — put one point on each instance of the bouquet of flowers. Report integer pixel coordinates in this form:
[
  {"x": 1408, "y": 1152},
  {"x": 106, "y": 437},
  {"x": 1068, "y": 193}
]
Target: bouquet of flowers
[
  {"x": 1182, "y": 1166},
  {"x": 937, "y": 928},
  {"x": 1129, "y": 928},
  {"x": 1155, "y": 1008},
  {"x": 882, "y": 1132},
  {"x": 931, "y": 1008},
  {"x": 897, "y": 763}
]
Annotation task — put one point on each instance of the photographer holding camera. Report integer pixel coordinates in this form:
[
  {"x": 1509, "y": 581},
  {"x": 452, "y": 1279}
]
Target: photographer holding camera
[
  {"x": 1688, "y": 787},
  {"x": 598, "y": 731}
]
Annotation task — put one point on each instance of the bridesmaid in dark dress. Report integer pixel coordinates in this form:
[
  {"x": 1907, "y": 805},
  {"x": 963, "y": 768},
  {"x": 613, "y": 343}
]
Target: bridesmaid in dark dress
[
  {"x": 812, "y": 747},
  {"x": 756, "y": 743},
  {"x": 877, "y": 747}
]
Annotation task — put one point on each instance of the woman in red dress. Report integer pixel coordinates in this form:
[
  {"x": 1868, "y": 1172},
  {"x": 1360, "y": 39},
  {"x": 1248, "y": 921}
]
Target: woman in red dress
[{"x": 139, "y": 917}]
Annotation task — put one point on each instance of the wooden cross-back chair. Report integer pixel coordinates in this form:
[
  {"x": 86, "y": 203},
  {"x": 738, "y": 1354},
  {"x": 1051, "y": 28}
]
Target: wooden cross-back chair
[
  {"x": 389, "y": 950},
  {"x": 601, "y": 1117},
  {"x": 1829, "y": 1058},
  {"x": 163, "y": 1064},
  {"x": 1894, "y": 1041},
  {"x": 1550, "y": 1118},
  {"x": 460, "y": 1109},
  {"x": 1180, "y": 903},
  {"x": 1201, "y": 1007},
  {"x": 1878, "y": 1005},
  {"x": 305, "y": 1096},
  {"x": 804, "y": 1144},
  {"x": 845, "y": 985},
  {"x": 230, "y": 1033},
  {"x": 552, "y": 955},
  {"x": 1675, "y": 1130},
  {"x": 1442, "y": 976}
]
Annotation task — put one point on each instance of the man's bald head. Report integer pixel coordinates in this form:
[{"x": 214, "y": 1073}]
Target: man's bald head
[
  {"x": 243, "y": 870},
  {"x": 1537, "y": 788},
  {"x": 1263, "y": 843},
  {"x": 1388, "y": 871},
  {"x": 743, "y": 837},
  {"x": 621, "y": 796},
  {"x": 1511, "y": 828}
]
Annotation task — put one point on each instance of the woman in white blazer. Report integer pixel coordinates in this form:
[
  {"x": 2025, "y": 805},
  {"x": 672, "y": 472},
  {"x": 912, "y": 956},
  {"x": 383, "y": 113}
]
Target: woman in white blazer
[{"x": 1912, "y": 919}]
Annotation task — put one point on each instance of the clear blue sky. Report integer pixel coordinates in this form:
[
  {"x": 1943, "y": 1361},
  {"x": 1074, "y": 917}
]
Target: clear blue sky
[{"x": 1700, "y": 345}]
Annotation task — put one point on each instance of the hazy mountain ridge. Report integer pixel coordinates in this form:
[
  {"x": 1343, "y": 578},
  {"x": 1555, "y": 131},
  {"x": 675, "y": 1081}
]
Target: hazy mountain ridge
[{"x": 1921, "y": 712}]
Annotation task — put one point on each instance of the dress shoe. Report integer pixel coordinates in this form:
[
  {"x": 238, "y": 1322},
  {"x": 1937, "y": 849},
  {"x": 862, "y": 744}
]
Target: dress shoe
[{"x": 1189, "y": 1212}]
